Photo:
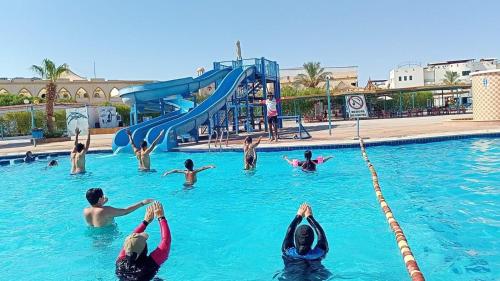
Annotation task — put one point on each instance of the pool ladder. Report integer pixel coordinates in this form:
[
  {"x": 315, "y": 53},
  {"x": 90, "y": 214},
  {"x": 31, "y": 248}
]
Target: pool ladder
[{"x": 219, "y": 139}]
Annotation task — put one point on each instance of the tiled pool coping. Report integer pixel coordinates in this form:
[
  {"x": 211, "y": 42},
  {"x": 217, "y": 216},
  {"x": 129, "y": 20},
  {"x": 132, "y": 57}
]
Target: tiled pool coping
[
  {"x": 8, "y": 159},
  {"x": 353, "y": 144}
]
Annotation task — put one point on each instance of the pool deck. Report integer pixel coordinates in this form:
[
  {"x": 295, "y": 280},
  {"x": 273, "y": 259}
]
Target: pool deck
[{"x": 343, "y": 133}]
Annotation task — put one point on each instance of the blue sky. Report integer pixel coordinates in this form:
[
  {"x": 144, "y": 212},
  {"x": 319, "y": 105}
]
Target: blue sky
[{"x": 169, "y": 39}]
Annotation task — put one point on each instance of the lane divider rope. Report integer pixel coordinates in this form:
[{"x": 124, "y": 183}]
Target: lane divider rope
[{"x": 404, "y": 247}]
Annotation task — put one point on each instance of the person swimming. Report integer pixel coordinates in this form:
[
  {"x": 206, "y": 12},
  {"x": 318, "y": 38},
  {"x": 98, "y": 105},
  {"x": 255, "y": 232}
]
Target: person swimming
[
  {"x": 142, "y": 153},
  {"x": 29, "y": 157},
  {"x": 190, "y": 173},
  {"x": 308, "y": 165},
  {"x": 78, "y": 154},
  {"x": 298, "y": 255},
  {"x": 52, "y": 163},
  {"x": 98, "y": 215},
  {"x": 249, "y": 153},
  {"x": 133, "y": 262}
]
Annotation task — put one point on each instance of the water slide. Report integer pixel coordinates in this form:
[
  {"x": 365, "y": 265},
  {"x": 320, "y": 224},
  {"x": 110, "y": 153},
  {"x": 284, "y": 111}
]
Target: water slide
[
  {"x": 201, "y": 114},
  {"x": 148, "y": 97}
]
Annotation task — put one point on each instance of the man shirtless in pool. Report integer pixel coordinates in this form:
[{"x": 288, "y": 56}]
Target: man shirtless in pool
[
  {"x": 142, "y": 153},
  {"x": 78, "y": 154},
  {"x": 98, "y": 215}
]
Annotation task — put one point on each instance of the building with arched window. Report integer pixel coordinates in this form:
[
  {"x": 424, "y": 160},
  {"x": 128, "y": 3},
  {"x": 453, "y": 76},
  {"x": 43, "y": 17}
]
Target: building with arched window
[{"x": 69, "y": 86}]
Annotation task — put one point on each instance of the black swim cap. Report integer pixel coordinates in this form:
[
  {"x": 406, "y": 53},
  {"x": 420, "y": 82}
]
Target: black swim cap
[
  {"x": 144, "y": 144},
  {"x": 308, "y": 154},
  {"x": 304, "y": 237}
]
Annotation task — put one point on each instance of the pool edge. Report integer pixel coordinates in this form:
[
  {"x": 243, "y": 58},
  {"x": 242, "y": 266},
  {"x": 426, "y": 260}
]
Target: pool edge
[{"x": 350, "y": 144}]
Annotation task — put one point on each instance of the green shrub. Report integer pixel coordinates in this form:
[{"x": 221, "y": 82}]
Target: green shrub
[
  {"x": 289, "y": 91},
  {"x": 124, "y": 111},
  {"x": 19, "y": 123},
  {"x": 9, "y": 99}
]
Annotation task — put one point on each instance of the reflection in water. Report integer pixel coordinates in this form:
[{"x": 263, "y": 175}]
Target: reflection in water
[
  {"x": 103, "y": 237},
  {"x": 304, "y": 272},
  {"x": 482, "y": 145}
]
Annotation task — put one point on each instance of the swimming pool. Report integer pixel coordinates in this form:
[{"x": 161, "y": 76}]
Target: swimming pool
[{"x": 445, "y": 196}]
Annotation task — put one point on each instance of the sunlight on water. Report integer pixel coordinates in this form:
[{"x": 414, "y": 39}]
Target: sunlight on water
[{"x": 230, "y": 226}]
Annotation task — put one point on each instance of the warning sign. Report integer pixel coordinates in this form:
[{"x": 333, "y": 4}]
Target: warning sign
[{"x": 356, "y": 106}]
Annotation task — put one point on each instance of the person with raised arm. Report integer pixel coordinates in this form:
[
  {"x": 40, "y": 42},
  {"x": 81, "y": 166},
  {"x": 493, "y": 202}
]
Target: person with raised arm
[
  {"x": 133, "y": 262},
  {"x": 272, "y": 115},
  {"x": 190, "y": 173},
  {"x": 143, "y": 152},
  {"x": 299, "y": 257},
  {"x": 308, "y": 165},
  {"x": 249, "y": 153},
  {"x": 78, "y": 154},
  {"x": 98, "y": 215}
]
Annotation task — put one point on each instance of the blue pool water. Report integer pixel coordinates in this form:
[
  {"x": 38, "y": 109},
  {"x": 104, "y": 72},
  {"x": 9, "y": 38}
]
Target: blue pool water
[{"x": 231, "y": 225}]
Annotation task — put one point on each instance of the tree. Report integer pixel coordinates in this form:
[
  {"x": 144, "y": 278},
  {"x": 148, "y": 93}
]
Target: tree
[
  {"x": 315, "y": 74},
  {"x": 451, "y": 78},
  {"x": 48, "y": 71}
]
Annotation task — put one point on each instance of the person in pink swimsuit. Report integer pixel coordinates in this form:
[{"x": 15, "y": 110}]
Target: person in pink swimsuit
[{"x": 133, "y": 262}]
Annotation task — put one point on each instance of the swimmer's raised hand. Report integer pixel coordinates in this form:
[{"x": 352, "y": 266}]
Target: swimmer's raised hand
[
  {"x": 308, "y": 212},
  {"x": 147, "y": 201},
  {"x": 302, "y": 210},
  {"x": 77, "y": 131},
  {"x": 158, "y": 208},
  {"x": 150, "y": 215},
  {"x": 128, "y": 132}
]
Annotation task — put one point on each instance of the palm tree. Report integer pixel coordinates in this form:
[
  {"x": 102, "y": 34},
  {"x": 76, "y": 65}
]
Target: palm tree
[
  {"x": 315, "y": 74},
  {"x": 48, "y": 71},
  {"x": 450, "y": 78}
]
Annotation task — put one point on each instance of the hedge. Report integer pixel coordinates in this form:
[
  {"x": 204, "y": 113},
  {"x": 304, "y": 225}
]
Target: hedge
[
  {"x": 124, "y": 111},
  {"x": 19, "y": 123},
  {"x": 9, "y": 99}
]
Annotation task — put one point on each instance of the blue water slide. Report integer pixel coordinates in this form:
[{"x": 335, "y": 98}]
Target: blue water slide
[
  {"x": 121, "y": 141},
  {"x": 148, "y": 96},
  {"x": 189, "y": 122}
]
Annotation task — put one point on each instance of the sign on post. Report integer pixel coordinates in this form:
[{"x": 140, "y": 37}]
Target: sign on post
[{"x": 356, "y": 106}]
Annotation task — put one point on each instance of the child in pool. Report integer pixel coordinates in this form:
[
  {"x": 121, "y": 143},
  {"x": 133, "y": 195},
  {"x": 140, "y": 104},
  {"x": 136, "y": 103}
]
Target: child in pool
[
  {"x": 249, "y": 153},
  {"x": 308, "y": 165},
  {"x": 190, "y": 172}
]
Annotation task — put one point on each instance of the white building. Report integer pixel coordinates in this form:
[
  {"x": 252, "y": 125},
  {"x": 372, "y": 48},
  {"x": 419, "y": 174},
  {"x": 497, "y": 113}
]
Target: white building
[
  {"x": 405, "y": 76},
  {"x": 414, "y": 75}
]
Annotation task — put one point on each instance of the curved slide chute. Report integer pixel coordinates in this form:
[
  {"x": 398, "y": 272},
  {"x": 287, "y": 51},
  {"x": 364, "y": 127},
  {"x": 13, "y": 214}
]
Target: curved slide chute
[
  {"x": 189, "y": 122},
  {"x": 149, "y": 96}
]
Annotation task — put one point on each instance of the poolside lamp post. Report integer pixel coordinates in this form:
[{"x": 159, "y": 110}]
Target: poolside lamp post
[
  {"x": 329, "y": 109},
  {"x": 26, "y": 102}
]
